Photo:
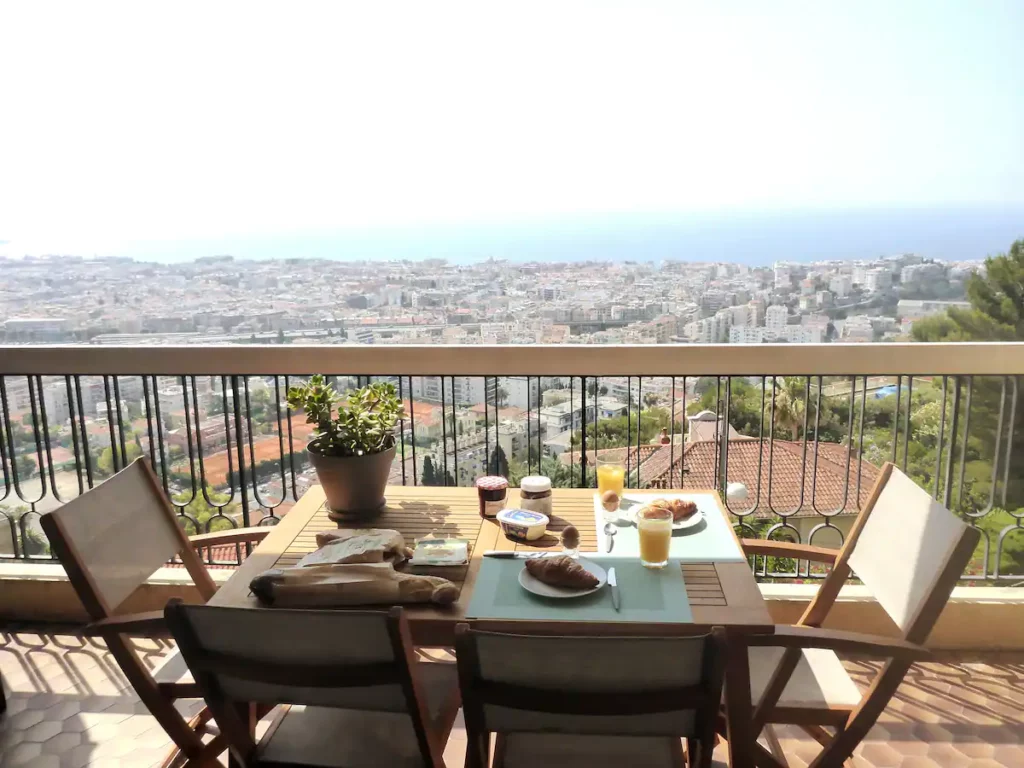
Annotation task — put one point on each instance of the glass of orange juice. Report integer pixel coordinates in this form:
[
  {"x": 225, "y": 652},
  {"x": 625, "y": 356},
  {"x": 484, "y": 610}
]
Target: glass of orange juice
[
  {"x": 655, "y": 529},
  {"x": 611, "y": 476}
]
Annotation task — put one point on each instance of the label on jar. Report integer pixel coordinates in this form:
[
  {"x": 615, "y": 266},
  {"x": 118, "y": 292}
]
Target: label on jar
[{"x": 492, "y": 508}]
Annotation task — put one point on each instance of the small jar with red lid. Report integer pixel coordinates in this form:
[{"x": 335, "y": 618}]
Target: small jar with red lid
[{"x": 492, "y": 490}]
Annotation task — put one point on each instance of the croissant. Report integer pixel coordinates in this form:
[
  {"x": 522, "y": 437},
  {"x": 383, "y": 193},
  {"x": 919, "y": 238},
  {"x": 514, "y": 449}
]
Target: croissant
[
  {"x": 681, "y": 509},
  {"x": 561, "y": 571}
]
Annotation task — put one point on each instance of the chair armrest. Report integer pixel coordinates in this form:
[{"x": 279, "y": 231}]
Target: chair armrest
[
  {"x": 232, "y": 536},
  {"x": 799, "y": 636},
  {"x": 148, "y": 623},
  {"x": 788, "y": 549}
]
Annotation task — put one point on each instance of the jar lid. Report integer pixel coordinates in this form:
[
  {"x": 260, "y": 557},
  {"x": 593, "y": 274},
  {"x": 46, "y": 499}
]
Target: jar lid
[
  {"x": 491, "y": 483},
  {"x": 522, "y": 517},
  {"x": 535, "y": 484}
]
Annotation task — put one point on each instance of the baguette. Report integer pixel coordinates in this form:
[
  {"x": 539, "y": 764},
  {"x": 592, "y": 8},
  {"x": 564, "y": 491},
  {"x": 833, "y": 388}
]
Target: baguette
[{"x": 320, "y": 586}]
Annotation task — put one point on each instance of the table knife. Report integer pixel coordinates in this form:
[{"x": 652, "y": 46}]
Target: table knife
[
  {"x": 509, "y": 555},
  {"x": 613, "y": 583}
]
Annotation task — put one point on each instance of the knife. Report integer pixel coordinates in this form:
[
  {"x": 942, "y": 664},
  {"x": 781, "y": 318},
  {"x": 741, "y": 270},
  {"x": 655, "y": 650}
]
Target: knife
[
  {"x": 613, "y": 583},
  {"x": 509, "y": 555}
]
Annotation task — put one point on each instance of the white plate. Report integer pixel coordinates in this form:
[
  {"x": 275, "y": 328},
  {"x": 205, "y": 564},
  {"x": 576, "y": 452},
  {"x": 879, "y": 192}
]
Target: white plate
[
  {"x": 690, "y": 522},
  {"x": 532, "y": 584}
]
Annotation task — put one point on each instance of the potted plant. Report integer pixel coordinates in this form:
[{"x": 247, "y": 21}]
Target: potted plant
[{"x": 352, "y": 452}]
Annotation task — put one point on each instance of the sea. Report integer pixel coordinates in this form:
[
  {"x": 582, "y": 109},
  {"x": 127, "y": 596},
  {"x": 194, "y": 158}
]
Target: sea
[{"x": 748, "y": 237}]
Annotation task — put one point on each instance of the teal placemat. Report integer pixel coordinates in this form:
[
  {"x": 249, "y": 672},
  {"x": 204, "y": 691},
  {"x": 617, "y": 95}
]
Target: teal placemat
[
  {"x": 710, "y": 541},
  {"x": 647, "y": 595}
]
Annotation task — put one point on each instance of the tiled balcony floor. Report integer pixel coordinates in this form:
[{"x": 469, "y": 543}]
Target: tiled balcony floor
[{"x": 69, "y": 706}]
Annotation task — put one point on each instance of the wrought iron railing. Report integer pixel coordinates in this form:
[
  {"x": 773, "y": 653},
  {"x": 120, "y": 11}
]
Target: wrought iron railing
[{"x": 792, "y": 435}]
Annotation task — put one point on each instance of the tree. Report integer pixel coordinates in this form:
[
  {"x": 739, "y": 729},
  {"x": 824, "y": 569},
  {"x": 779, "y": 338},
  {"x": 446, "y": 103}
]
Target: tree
[
  {"x": 200, "y": 511},
  {"x": 105, "y": 462},
  {"x": 498, "y": 464},
  {"x": 501, "y": 397},
  {"x": 448, "y": 479},
  {"x": 280, "y": 337},
  {"x": 429, "y": 475},
  {"x": 26, "y": 466},
  {"x": 33, "y": 542},
  {"x": 650, "y": 399},
  {"x": 997, "y": 304},
  {"x": 996, "y": 313}
]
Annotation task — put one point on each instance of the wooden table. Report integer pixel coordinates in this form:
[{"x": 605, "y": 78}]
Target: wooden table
[{"x": 723, "y": 594}]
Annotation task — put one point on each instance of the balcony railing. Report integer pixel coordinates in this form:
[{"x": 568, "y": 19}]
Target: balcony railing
[{"x": 792, "y": 435}]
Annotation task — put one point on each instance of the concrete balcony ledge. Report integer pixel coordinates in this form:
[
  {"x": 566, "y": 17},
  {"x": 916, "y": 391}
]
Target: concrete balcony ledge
[{"x": 976, "y": 618}]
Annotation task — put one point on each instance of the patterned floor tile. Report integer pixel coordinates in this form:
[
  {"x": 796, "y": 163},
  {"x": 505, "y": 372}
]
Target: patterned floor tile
[{"x": 69, "y": 706}]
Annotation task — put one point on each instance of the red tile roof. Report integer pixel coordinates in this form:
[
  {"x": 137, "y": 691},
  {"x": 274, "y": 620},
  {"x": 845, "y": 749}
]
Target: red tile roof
[{"x": 790, "y": 489}]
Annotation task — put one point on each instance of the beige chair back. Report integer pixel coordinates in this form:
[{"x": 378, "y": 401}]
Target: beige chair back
[
  {"x": 904, "y": 546},
  {"x": 115, "y": 535},
  {"x": 245, "y": 642},
  {"x": 650, "y": 686},
  {"x": 358, "y": 660}
]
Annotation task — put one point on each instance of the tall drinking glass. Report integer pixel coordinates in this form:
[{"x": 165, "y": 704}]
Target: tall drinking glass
[
  {"x": 655, "y": 529},
  {"x": 611, "y": 476}
]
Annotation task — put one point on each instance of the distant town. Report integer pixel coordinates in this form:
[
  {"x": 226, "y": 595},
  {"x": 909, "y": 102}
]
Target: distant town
[
  {"x": 219, "y": 299},
  {"x": 456, "y": 428}
]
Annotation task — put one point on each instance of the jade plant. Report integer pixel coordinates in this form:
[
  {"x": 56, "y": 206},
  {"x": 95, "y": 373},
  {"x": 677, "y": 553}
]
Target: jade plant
[{"x": 365, "y": 422}]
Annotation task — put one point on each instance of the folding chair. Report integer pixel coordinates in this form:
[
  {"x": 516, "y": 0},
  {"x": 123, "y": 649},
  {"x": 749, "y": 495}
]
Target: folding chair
[
  {"x": 353, "y": 692},
  {"x": 909, "y": 551},
  {"x": 589, "y": 701},
  {"x": 110, "y": 540}
]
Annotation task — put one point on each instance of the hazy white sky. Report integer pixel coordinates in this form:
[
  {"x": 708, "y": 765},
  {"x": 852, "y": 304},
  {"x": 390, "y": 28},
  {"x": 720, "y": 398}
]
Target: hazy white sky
[{"x": 145, "y": 120}]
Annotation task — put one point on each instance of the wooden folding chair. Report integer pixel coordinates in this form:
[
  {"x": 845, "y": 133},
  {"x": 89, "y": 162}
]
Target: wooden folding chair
[
  {"x": 354, "y": 692},
  {"x": 593, "y": 701},
  {"x": 110, "y": 540},
  {"x": 909, "y": 551}
]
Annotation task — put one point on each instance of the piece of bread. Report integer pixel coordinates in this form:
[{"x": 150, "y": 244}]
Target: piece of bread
[
  {"x": 561, "y": 571},
  {"x": 349, "y": 584},
  {"x": 363, "y": 545},
  {"x": 681, "y": 509}
]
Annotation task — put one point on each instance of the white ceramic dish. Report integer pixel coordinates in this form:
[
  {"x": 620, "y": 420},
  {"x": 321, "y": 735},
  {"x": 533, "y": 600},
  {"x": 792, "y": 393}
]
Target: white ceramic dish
[
  {"x": 682, "y": 525},
  {"x": 531, "y": 584}
]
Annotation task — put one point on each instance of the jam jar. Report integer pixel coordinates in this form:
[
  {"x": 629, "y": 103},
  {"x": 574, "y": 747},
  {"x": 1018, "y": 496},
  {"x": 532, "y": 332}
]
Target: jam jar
[
  {"x": 492, "y": 490},
  {"x": 535, "y": 494}
]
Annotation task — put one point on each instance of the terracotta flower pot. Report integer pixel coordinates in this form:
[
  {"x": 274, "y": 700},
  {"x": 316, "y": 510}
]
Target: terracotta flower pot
[{"x": 354, "y": 485}]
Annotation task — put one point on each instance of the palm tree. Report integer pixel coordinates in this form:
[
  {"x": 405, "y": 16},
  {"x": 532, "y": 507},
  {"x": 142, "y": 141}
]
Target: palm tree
[{"x": 790, "y": 406}]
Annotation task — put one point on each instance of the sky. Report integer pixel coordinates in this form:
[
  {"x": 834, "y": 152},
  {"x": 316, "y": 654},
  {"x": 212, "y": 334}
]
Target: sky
[{"x": 131, "y": 122}]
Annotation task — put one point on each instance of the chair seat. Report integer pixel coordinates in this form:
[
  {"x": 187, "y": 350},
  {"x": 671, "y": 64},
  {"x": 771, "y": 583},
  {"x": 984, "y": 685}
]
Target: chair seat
[
  {"x": 347, "y": 738},
  {"x": 530, "y": 750},
  {"x": 818, "y": 682},
  {"x": 173, "y": 669}
]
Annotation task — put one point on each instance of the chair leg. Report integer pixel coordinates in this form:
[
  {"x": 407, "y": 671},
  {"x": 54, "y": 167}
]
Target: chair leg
[
  {"x": 775, "y": 745},
  {"x": 500, "y": 745}
]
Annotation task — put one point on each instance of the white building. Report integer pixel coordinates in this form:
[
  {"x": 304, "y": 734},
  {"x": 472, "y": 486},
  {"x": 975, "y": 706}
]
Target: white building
[
  {"x": 841, "y": 285},
  {"x": 794, "y": 334},
  {"x": 746, "y": 335},
  {"x": 783, "y": 276},
  {"x": 776, "y": 317},
  {"x": 877, "y": 279},
  {"x": 36, "y": 328},
  {"x": 915, "y": 309},
  {"x": 858, "y": 328},
  {"x": 559, "y": 418}
]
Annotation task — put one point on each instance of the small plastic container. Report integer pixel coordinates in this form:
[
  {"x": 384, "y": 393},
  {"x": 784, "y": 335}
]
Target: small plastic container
[
  {"x": 492, "y": 490},
  {"x": 535, "y": 494},
  {"x": 522, "y": 524}
]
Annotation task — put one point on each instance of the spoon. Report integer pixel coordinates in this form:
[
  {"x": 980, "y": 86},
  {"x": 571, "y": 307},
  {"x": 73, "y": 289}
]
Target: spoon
[{"x": 609, "y": 532}]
